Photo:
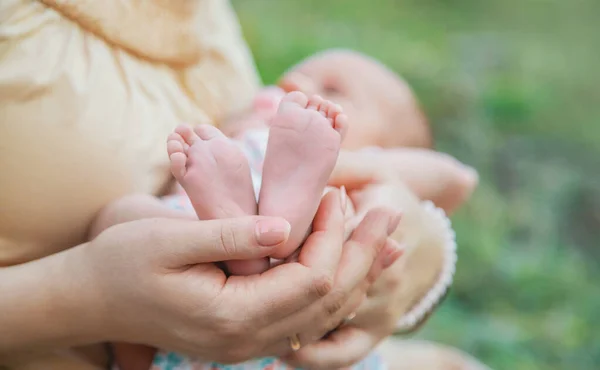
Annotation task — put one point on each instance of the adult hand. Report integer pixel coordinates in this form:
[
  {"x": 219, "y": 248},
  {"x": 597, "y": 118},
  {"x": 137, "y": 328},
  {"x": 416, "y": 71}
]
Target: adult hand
[
  {"x": 156, "y": 283},
  {"x": 377, "y": 315},
  {"x": 373, "y": 186}
]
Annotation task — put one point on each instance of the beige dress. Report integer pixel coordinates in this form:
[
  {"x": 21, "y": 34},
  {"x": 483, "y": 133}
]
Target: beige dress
[{"x": 85, "y": 106}]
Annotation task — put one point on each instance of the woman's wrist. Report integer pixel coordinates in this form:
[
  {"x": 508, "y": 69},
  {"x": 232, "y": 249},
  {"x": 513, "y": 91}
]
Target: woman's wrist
[{"x": 49, "y": 303}]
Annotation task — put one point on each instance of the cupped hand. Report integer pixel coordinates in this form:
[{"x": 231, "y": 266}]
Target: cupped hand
[
  {"x": 155, "y": 282},
  {"x": 374, "y": 180},
  {"x": 377, "y": 315}
]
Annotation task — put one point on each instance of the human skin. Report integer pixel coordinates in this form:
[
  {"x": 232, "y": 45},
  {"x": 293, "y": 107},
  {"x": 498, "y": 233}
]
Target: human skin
[
  {"x": 428, "y": 174},
  {"x": 149, "y": 282},
  {"x": 372, "y": 186},
  {"x": 303, "y": 146},
  {"x": 381, "y": 107}
]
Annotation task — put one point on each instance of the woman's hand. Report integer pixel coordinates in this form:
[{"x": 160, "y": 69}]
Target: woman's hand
[
  {"x": 378, "y": 314},
  {"x": 195, "y": 309},
  {"x": 153, "y": 282},
  {"x": 376, "y": 179}
]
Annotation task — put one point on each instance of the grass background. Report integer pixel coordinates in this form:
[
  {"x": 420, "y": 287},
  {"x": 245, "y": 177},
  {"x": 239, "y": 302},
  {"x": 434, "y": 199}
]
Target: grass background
[{"x": 511, "y": 87}]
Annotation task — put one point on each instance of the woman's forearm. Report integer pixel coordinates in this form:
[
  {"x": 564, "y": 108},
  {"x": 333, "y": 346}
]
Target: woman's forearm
[{"x": 46, "y": 304}]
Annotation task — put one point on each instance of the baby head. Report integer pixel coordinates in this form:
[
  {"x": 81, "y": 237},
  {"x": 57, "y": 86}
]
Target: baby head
[{"x": 381, "y": 108}]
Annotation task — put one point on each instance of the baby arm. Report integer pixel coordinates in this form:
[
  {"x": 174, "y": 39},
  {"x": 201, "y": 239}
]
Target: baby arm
[
  {"x": 131, "y": 208},
  {"x": 430, "y": 175}
]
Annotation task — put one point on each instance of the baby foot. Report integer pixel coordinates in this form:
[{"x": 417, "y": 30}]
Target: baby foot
[
  {"x": 304, "y": 142},
  {"x": 213, "y": 171},
  {"x": 215, "y": 174}
]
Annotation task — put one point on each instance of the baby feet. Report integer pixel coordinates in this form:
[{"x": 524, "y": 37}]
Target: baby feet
[
  {"x": 215, "y": 174},
  {"x": 304, "y": 142}
]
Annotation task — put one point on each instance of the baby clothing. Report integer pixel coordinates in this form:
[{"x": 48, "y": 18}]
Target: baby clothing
[{"x": 173, "y": 361}]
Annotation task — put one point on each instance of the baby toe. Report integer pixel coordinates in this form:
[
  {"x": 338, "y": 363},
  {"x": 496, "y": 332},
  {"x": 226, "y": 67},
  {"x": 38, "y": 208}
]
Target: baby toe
[
  {"x": 175, "y": 145},
  {"x": 333, "y": 110},
  {"x": 314, "y": 103},
  {"x": 340, "y": 124},
  {"x": 188, "y": 135},
  {"x": 295, "y": 97}
]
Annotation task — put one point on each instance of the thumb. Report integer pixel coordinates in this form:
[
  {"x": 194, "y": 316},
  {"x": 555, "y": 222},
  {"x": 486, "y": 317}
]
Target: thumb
[{"x": 192, "y": 242}]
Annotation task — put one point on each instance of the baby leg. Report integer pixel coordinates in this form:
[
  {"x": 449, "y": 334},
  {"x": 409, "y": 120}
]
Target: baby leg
[
  {"x": 303, "y": 147},
  {"x": 215, "y": 174}
]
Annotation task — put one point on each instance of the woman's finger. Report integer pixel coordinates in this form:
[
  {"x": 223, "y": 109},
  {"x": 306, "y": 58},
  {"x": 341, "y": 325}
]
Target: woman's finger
[
  {"x": 193, "y": 242},
  {"x": 348, "y": 310},
  {"x": 361, "y": 250},
  {"x": 278, "y": 293},
  {"x": 320, "y": 255},
  {"x": 291, "y": 287},
  {"x": 281, "y": 345},
  {"x": 359, "y": 255},
  {"x": 312, "y": 277},
  {"x": 344, "y": 347},
  {"x": 391, "y": 252},
  {"x": 323, "y": 248}
]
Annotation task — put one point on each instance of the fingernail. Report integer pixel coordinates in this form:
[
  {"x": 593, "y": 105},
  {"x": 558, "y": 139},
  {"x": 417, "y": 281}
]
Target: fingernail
[
  {"x": 343, "y": 198},
  {"x": 394, "y": 222},
  {"x": 396, "y": 251},
  {"x": 270, "y": 232}
]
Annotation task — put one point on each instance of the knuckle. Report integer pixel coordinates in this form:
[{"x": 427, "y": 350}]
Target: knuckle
[
  {"x": 373, "y": 275},
  {"x": 371, "y": 245},
  {"x": 227, "y": 240},
  {"x": 335, "y": 302},
  {"x": 322, "y": 285},
  {"x": 330, "y": 325},
  {"x": 229, "y": 328}
]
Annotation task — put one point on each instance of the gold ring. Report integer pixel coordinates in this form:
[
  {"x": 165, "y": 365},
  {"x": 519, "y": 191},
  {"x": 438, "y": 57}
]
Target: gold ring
[{"x": 295, "y": 342}]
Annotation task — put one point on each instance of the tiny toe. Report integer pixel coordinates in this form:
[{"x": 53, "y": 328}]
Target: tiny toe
[
  {"x": 324, "y": 108},
  {"x": 314, "y": 102},
  {"x": 175, "y": 146},
  {"x": 174, "y": 136},
  {"x": 333, "y": 110},
  {"x": 178, "y": 160},
  {"x": 186, "y": 132},
  {"x": 340, "y": 124},
  {"x": 296, "y": 97},
  {"x": 208, "y": 132}
]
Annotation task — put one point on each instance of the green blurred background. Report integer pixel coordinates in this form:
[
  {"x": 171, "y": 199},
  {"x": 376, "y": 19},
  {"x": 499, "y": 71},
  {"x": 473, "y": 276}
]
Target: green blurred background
[{"x": 511, "y": 88}]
